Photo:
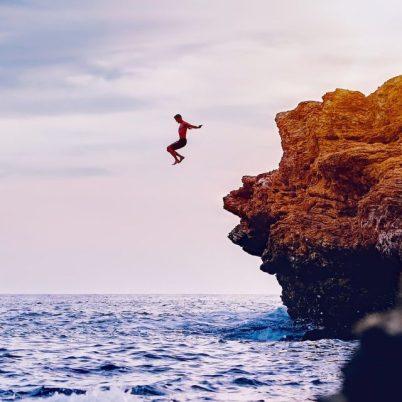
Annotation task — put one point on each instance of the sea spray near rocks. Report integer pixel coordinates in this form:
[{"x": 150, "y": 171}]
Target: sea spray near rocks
[{"x": 328, "y": 222}]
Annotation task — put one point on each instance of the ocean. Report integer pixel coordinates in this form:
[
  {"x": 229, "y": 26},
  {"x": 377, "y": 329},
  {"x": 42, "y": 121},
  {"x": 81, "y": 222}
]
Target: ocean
[{"x": 87, "y": 348}]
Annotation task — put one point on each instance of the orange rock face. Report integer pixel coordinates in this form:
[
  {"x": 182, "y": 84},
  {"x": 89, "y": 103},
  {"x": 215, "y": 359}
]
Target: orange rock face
[{"x": 328, "y": 222}]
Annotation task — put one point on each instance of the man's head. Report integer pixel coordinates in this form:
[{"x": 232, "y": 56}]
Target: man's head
[{"x": 178, "y": 118}]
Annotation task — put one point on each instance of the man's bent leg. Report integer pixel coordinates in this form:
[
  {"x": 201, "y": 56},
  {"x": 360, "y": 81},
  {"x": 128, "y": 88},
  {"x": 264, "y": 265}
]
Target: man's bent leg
[{"x": 173, "y": 153}]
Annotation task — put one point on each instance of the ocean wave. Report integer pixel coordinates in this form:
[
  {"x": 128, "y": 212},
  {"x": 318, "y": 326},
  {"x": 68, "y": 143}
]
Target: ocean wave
[
  {"x": 274, "y": 326},
  {"x": 54, "y": 394},
  {"x": 49, "y": 391},
  {"x": 247, "y": 382},
  {"x": 112, "y": 367},
  {"x": 97, "y": 395},
  {"x": 40, "y": 392}
]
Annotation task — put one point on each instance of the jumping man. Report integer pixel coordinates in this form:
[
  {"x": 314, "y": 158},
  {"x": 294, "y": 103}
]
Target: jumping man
[{"x": 182, "y": 141}]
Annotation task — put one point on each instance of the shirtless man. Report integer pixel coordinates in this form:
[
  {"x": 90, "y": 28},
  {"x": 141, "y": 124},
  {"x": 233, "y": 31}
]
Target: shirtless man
[{"x": 172, "y": 148}]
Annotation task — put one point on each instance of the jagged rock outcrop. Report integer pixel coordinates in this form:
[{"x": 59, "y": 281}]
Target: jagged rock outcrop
[{"x": 328, "y": 222}]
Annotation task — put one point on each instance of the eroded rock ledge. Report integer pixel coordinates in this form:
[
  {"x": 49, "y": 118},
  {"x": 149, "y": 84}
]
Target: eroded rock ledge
[{"x": 328, "y": 222}]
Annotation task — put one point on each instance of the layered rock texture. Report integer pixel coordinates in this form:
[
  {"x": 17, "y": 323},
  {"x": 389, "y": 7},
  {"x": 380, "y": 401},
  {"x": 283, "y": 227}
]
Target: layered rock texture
[{"x": 328, "y": 222}]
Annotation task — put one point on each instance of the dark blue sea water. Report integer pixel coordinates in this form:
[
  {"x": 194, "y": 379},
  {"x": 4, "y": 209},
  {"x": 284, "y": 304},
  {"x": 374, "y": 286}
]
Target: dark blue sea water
[{"x": 160, "y": 348}]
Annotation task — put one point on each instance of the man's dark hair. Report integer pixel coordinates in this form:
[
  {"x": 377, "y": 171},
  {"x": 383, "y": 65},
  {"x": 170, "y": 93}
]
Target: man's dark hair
[{"x": 177, "y": 116}]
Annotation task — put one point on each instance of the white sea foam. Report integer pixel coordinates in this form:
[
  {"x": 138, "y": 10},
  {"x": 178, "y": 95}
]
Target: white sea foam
[{"x": 96, "y": 395}]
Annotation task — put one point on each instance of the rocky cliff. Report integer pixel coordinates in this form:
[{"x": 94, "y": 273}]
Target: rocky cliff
[{"x": 328, "y": 221}]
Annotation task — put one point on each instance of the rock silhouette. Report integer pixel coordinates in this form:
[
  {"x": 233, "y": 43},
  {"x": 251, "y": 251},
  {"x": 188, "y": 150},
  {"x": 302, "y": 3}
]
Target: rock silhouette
[{"x": 374, "y": 372}]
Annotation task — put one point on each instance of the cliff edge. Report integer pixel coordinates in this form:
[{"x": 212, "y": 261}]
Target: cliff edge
[{"x": 328, "y": 221}]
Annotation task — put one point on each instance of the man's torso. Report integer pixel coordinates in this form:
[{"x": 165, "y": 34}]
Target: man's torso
[{"x": 183, "y": 129}]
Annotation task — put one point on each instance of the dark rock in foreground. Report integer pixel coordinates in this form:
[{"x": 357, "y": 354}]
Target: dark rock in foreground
[
  {"x": 328, "y": 222},
  {"x": 374, "y": 374}
]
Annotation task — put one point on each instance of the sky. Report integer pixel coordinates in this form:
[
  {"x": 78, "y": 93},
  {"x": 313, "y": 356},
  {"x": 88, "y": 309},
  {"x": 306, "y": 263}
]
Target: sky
[{"x": 90, "y": 201}]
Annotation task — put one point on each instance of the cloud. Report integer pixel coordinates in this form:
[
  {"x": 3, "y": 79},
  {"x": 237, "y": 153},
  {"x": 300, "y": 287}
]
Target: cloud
[
  {"x": 53, "y": 60},
  {"x": 36, "y": 102},
  {"x": 60, "y": 172},
  {"x": 99, "y": 57}
]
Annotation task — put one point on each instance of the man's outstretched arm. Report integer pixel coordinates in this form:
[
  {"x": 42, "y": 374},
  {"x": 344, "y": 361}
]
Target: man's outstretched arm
[{"x": 191, "y": 126}]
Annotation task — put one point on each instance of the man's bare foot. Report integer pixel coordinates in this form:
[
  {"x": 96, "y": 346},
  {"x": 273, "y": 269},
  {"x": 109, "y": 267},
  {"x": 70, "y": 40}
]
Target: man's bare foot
[{"x": 181, "y": 159}]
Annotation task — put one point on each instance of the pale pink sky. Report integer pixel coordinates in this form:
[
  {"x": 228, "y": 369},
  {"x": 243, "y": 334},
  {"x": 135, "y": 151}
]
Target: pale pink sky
[{"x": 90, "y": 202}]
